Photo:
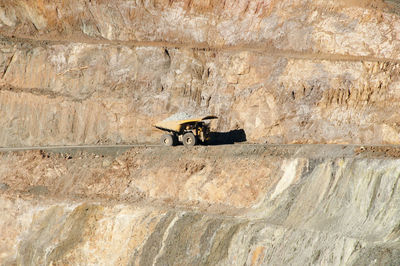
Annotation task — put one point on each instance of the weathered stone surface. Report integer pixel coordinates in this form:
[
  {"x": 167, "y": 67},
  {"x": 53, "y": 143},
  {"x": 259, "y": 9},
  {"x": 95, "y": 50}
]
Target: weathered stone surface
[
  {"x": 337, "y": 210},
  {"x": 344, "y": 27},
  {"x": 200, "y": 176},
  {"x": 296, "y": 71},
  {"x": 286, "y": 72},
  {"x": 85, "y": 93}
]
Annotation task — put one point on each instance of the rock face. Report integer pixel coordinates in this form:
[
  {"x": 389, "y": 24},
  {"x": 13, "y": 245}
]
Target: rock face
[
  {"x": 75, "y": 72},
  {"x": 79, "y": 72},
  {"x": 255, "y": 206}
]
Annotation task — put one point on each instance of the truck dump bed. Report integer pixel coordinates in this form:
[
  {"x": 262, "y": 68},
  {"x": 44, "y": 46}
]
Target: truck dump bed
[{"x": 176, "y": 126}]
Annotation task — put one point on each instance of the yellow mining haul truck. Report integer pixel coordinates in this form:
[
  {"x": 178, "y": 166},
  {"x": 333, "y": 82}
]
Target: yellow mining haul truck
[{"x": 190, "y": 132}]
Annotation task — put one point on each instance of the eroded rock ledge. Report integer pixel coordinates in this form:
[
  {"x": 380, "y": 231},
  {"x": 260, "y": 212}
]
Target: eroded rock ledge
[
  {"x": 283, "y": 71},
  {"x": 219, "y": 205}
]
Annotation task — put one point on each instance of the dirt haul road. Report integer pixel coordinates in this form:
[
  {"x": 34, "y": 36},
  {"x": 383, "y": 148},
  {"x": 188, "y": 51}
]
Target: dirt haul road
[{"x": 229, "y": 204}]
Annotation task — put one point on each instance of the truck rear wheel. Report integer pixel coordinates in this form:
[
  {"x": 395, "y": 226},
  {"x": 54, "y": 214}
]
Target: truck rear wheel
[
  {"x": 189, "y": 139},
  {"x": 168, "y": 140}
]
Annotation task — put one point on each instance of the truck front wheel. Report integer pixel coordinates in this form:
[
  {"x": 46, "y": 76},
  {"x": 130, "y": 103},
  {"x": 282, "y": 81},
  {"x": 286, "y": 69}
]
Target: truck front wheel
[{"x": 189, "y": 139}]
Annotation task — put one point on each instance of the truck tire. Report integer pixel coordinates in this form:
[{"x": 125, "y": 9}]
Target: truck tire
[
  {"x": 189, "y": 139},
  {"x": 167, "y": 140}
]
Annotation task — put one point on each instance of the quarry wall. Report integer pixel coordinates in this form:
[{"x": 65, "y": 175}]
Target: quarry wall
[
  {"x": 78, "y": 72},
  {"x": 221, "y": 206}
]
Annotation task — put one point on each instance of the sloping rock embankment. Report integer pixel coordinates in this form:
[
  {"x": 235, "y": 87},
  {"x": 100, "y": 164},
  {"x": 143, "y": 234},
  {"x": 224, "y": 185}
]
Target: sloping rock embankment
[
  {"x": 298, "y": 71},
  {"x": 245, "y": 204}
]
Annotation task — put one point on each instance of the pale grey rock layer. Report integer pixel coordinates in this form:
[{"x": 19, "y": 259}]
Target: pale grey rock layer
[
  {"x": 297, "y": 71},
  {"x": 330, "y": 211}
]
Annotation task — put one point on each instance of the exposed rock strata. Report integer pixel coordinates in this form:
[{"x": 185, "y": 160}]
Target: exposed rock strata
[
  {"x": 284, "y": 71},
  {"x": 344, "y": 27},
  {"x": 86, "y": 93},
  {"x": 297, "y": 71},
  {"x": 332, "y": 210}
]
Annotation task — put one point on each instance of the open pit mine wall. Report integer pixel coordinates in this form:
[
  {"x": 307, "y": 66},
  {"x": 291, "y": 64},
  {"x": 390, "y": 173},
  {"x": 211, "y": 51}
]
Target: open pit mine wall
[
  {"x": 149, "y": 206},
  {"x": 297, "y": 71}
]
